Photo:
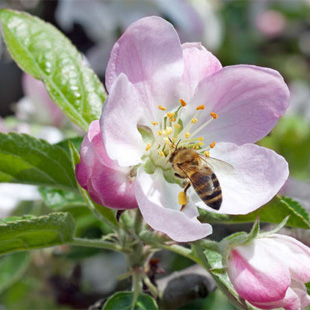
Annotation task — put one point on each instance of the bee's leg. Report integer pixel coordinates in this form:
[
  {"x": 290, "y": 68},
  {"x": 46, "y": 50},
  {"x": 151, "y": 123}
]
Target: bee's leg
[
  {"x": 178, "y": 176},
  {"x": 185, "y": 188}
]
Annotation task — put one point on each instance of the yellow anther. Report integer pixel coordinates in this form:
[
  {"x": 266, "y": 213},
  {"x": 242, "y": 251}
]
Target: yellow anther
[
  {"x": 207, "y": 153},
  {"x": 148, "y": 146},
  {"x": 200, "y": 143},
  {"x": 201, "y": 107},
  {"x": 182, "y": 198},
  {"x": 200, "y": 138},
  {"x": 161, "y": 153},
  {"x": 159, "y": 132},
  {"x": 196, "y": 147},
  {"x": 154, "y": 123},
  {"x": 167, "y": 141},
  {"x": 172, "y": 119},
  {"x": 170, "y": 114},
  {"x": 167, "y": 131},
  {"x": 177, "y": 126},
  {"x": 187, "y": 135},
  {"x": 160, "y": 107},
  {"x": 212, "y": 145},
  {"x": 194, "y": 120},
  {"x": 183, "y": 103},
  {"x": 214, "y": 115}
]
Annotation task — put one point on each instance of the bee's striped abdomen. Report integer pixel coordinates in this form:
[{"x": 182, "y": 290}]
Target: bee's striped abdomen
[{"x": 207, "y": 186}]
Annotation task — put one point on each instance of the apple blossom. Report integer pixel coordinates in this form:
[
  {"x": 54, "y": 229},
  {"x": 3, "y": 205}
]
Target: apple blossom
[
  {"x": 271, "y": 272},
  {"x": 163, "y": 94},
  {"x": 107, "y": 183}
]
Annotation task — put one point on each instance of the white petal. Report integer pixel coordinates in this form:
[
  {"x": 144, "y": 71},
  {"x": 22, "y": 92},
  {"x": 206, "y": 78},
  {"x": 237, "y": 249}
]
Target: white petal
[
  {"x": 258, "y": 174},
  {"x": 119, "y": 120},
  {"x": 158, "y": 202}
]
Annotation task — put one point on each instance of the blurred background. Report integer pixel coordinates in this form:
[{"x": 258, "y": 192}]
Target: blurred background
[{"x": 271, "y": 33}]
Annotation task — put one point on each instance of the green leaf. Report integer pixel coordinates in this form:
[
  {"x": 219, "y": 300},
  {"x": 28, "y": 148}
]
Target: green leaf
[
  {"x": 45, "y": 53},
  {"x": 16, "y": 218},
  {"x": 308, "y": 287},
  {"x": 297, "y": 207},
  {"x": 75, "y": 204},
  {"x": 213, "y": 260},
  {"x": 274, "y": 212},
  {"x": 12, "y": 267},
  {"x": 76, "y": 141},
  {"x": 58, "y": 199},
  {"x": 102, "y": 213},
  {"x": 25, "y": 159},
  {"x": 36, "y": 232},
  {"x": 124, "y": 301}
]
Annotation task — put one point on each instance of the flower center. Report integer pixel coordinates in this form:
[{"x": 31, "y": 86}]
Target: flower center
[{"x": 170, "y": 132}]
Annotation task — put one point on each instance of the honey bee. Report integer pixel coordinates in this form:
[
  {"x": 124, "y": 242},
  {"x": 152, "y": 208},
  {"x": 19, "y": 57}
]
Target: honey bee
[{"x": 188, "y": 164}]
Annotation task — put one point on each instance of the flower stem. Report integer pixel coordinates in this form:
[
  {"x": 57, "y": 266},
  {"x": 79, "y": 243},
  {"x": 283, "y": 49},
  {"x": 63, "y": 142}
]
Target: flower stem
[
  {"x": 136, "y": 286},
  {"x": 153, "y": 289},
  {"x": 138, "y": 222},
  {"x": 97, "y": 243}
]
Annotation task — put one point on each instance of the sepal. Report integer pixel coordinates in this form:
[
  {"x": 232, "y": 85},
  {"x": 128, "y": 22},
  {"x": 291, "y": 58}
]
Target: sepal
[{"x": 238, "y": 238}]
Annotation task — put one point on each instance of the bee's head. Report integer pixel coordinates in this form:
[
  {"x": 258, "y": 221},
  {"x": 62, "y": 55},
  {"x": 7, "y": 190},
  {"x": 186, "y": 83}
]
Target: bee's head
[{"x": 174, "y": 147}]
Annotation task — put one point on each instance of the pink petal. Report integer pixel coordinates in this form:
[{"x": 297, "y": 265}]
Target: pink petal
[
  {"x": 107, "y": 183},
  {"x": 257, "y": 175},
  {"x": 112, "y": 188},
  {"x": 256, "y": 274},
  {"x": 295, "y": 255},
  {"x": 121, "y": 113},
  {"x": 92, "y": 148},
  {"x": 248, "y": 100},
  {"x": 158, "y": 203},
  {"x": 289, "y": 302},
  {"x": 301, "y": 291},
  {"x": 149, "y": 49},
  {"x": 199, "y": 63}
]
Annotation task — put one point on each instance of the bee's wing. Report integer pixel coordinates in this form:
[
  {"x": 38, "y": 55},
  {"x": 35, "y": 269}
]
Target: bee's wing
[
  {"x": 217, "y": 164},
  {"x": 200, "y": 176}
]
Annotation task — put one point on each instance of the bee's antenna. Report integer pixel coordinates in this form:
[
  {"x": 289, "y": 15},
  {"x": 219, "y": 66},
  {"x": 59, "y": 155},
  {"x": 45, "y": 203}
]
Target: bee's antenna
[
  {"x": 177, "y": 144},
  {"x": 174, "y": 145}
]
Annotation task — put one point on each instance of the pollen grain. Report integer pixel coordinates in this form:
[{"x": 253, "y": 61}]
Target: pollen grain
[{"x": 182, "y": 199}]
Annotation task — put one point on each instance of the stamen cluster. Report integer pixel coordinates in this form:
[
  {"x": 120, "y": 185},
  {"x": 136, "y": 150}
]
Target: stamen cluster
[{"x": 170, "y": 132}]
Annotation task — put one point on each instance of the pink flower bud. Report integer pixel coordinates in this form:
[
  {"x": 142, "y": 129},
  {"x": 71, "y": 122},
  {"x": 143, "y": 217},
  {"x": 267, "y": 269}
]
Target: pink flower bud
[
  {"x": 271, "y": 272},
  {"x": 107, "y": 183}
]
